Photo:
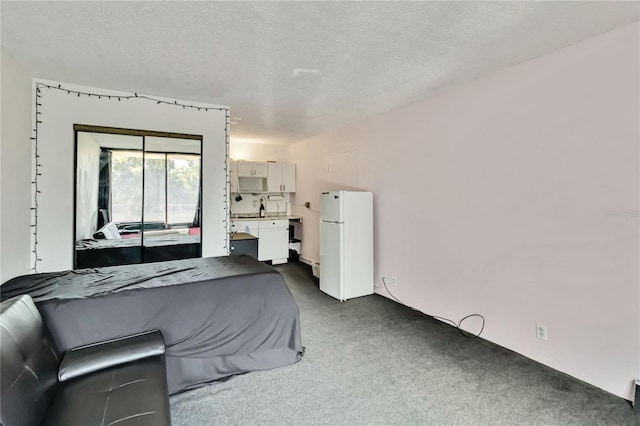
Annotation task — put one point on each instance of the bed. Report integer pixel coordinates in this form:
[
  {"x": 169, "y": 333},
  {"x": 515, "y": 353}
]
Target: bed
[
  {"x": 95, "y": 253},
  {"x": 219, "y": 316}
]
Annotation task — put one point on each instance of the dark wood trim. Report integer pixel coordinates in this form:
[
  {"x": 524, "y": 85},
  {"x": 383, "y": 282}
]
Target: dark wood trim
[
  {"x": 199, "y": 206},
  {"x": 166, "y": 192},
  {"x": 75, "y": 196},
  {"x": 133, "y": 132},
  {"x": 140, "y": 133},
  {"x": 144, "y": 172}
]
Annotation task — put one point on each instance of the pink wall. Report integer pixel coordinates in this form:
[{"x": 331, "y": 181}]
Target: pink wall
[{"x": 495, "y": 198}]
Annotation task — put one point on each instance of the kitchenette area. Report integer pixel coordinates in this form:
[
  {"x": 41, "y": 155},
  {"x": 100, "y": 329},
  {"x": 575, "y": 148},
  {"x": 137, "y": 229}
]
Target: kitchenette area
[{"x": 260, "y": 211}]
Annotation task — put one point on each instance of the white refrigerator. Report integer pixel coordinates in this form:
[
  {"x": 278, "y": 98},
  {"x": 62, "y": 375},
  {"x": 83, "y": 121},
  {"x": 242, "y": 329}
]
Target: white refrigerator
[{"x": 346, "y": 244}]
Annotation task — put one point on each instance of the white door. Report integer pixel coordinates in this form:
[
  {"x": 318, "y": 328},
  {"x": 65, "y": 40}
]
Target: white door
[{"x": 331, "y": 264}]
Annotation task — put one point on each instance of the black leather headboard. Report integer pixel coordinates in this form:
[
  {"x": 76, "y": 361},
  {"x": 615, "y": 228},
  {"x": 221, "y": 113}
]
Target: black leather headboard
[{"x": 29, "y": 364}]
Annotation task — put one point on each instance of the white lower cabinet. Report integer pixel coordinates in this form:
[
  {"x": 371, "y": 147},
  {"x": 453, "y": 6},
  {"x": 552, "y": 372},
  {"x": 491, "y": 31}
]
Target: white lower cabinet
[
  {"x": 273, "y": 237},
  {"x": 273, "y": 241}
]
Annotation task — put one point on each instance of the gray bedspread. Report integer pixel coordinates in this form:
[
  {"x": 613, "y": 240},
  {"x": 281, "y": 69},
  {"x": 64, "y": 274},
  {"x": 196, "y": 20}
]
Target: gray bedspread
[
  {"x": 150, "y": 241},
  {"x": 219, "y": 316}
]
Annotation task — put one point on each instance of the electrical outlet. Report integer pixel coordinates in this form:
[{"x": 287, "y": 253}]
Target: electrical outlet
[
  {"x": 541, "y": 332},
  {"x": 390, "y": 281}
]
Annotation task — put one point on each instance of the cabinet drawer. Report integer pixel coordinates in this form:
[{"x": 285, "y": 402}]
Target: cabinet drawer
[{"x": 274, "y": 224}]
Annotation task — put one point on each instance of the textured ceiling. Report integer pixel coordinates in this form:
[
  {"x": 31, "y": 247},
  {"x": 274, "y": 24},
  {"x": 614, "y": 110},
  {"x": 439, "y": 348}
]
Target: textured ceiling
[{"x": 291, "y": 70}]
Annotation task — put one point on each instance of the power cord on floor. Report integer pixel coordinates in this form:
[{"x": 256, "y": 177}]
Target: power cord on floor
[{"x": 447, "y": 320}]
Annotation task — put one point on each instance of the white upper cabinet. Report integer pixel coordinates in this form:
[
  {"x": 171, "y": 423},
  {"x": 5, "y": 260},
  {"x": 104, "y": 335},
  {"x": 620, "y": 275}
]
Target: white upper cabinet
[
  {"x": 251, "y": 169},
  {"x": 260, "y": 170},
  {"x": 274, "y": 180},
  {"x": 245, "y": 169},
  {"x": 288, "y": 177},
  {"x": 282, "y": 177},
  {"x": 249, "y": 176}
]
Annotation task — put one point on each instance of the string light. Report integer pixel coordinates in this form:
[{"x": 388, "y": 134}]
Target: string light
[
  {"x": 79, "y": 93},
  {"x": 34, "y": 182},
  {"x": 227, "y": 181}
]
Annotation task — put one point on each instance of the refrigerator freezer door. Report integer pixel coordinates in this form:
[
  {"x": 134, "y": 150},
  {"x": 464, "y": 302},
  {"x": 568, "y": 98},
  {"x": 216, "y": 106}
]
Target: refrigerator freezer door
[
  {"x": 331, "y": 260},
  {"x": 331, "y": 206}
]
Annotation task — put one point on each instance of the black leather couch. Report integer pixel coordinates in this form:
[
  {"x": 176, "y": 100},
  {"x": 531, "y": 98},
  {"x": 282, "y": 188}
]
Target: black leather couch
[{"x": 120, "y": 382}]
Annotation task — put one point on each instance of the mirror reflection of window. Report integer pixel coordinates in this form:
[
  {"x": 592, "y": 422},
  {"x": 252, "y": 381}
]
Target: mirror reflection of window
[
  {"x": 155, "y": 201},
  {"x": 171, "y": 187},
  {"x": 172, "y": 190},
  {"x": 183, "y": 188},
  {"x": 125, "y": 184},
  {"x": 137, "y": 197}
]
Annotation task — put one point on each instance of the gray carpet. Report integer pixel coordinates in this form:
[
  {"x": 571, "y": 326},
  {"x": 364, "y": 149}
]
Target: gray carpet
[{"x": 373, "y": 361}]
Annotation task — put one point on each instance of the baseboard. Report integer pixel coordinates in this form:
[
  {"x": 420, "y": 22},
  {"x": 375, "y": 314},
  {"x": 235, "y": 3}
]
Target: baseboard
[
  {"x": 307, "y": 261},
  {"x": 315, "y": 266}
]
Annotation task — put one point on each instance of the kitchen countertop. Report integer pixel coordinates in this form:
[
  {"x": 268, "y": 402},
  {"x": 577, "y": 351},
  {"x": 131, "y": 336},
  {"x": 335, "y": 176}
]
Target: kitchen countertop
[
  {"x": 238, "y": 236},
  {"x": 267, "y": 218}
]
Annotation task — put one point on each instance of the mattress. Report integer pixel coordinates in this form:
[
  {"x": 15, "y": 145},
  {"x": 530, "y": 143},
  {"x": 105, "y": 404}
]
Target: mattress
[
  {"x": 219, "y": 316},
  {"x": 151, "y": 241},
  {"x": 125, "y": 251}
]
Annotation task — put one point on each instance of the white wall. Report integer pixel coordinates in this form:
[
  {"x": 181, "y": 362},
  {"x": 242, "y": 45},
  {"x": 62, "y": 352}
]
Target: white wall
[
  {"x": 15, "y": 170},
  {"x": 87, "y": 183},
  {"x": 254, "y": 151},
  {"x": 60, "y": 111},
  {"x": 262, "y": 152},
  {"x": 514, "y": 196},
  {"x": 250, "y": 203}
]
